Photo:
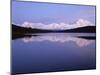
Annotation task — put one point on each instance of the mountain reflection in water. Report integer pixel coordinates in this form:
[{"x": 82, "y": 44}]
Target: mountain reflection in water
[{"x": 78, "y": 39}]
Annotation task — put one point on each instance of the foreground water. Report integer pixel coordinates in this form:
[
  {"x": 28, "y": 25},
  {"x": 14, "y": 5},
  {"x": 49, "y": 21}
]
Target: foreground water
[{"x": 53, "y": 52}]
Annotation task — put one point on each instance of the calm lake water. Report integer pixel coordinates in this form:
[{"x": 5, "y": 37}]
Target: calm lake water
[{"x": 51, "y": 52}]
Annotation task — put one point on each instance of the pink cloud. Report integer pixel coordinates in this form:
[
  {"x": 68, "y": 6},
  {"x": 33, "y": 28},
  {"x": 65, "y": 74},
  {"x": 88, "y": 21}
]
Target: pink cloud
[{"x": 59, "y": 26}]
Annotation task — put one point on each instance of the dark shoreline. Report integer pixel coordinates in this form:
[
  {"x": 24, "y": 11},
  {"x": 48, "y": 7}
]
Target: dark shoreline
[
  {"x": 17, "y": 36},
  {"x": 22, "y": 30}
]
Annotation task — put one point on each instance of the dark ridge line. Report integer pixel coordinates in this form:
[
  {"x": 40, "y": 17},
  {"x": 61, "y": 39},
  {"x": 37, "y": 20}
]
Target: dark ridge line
[{"x": 22, "y": 30}]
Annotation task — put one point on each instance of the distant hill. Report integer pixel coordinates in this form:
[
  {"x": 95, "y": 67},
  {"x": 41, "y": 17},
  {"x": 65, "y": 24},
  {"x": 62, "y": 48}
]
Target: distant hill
[
  {"x": 22, "y": 30},
  {"x": 86, "y": 29}
]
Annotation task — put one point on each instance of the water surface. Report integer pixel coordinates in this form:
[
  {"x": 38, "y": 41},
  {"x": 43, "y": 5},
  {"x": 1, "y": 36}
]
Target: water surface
[{"x": 50, "y": 52}]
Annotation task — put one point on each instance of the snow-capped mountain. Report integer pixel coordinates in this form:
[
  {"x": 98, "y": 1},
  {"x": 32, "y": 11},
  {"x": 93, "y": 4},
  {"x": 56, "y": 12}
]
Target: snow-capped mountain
[{"x": 58, "y": 26}]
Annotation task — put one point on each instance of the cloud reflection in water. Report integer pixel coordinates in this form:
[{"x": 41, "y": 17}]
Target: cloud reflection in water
[{"x": 81, "y": 42}]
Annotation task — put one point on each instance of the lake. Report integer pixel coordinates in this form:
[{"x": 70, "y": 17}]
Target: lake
[{"x": 50, "y": 52}]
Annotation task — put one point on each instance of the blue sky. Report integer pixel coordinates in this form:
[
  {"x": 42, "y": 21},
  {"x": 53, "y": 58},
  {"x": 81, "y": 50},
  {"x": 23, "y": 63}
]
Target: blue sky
[{"x": 50, "y": 13}]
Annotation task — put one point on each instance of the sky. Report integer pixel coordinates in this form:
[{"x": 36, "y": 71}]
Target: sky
[{"x": 51, "y": 14}]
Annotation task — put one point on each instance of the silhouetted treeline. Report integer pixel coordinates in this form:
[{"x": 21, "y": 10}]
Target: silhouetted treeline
[
  {"x": 22, "y": 30},
  {"x": 87, "y": 29}
]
